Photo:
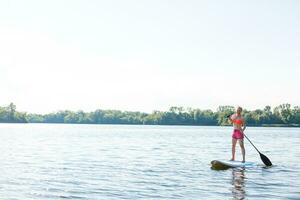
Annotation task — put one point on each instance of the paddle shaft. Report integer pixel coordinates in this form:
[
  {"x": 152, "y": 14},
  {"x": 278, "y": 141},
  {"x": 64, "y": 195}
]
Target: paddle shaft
[{"x": 251, "y": 143}]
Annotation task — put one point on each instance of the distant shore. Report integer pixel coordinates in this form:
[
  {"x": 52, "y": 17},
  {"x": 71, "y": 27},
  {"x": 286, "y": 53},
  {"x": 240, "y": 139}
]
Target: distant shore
[
  {"x": 263, "y": 125},
  {"x": 283, "y": 115},
  {"x": 280, "y": 125}
]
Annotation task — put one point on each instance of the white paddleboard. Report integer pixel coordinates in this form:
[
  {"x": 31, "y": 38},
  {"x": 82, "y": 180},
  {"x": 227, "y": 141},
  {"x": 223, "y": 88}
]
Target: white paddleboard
[{"x": 225, "y": 164}]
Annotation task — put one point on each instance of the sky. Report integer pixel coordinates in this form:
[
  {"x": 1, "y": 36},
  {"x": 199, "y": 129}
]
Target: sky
[{"x": 143, "y": 55}]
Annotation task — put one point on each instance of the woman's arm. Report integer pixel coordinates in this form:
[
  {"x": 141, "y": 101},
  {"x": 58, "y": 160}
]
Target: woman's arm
[
  {"x": 229, "y": 118},
  {"x": 244, "y": 125}
]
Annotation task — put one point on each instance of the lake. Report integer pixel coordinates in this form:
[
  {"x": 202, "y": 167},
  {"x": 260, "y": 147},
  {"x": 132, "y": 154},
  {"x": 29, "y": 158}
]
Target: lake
[{"x": 62, "y": 161}]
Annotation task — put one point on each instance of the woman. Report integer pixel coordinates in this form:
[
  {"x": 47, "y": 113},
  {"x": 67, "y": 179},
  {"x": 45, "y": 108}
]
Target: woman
[{"x": 238, "y": 133}]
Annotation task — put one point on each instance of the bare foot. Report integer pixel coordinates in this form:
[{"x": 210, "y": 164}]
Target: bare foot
[{"x": 232, "y": 159}]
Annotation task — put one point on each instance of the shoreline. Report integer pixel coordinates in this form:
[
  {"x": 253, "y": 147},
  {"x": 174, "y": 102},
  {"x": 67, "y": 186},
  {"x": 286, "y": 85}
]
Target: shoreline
[{"x": 262, "y": 125}]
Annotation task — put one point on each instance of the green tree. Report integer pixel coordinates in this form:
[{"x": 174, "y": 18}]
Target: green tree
[
  {"x": 223, "y": 112},
  {"x": 12, "y": 110},
  {"x": 284, "y": 112}
]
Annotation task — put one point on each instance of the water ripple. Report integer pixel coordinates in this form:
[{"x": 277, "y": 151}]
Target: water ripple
[{"x": 41, "y": 161}]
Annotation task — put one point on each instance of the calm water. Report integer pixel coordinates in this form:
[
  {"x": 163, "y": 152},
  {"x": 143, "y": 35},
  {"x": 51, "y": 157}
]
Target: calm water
[{"x": 40, "y": 161}]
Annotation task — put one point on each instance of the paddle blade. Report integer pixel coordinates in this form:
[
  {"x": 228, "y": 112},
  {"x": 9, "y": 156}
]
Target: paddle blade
[{"x": 265, "y": 160}]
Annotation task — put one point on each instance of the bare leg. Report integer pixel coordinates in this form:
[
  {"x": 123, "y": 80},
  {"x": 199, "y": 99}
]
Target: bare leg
[
  {"x": 242, "y": 148},
  {"x": 233, "y": 148}
]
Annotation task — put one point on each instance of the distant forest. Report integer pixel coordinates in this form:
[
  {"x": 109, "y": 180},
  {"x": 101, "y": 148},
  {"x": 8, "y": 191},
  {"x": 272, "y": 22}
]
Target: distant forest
[{"x": 282, "y": 115}]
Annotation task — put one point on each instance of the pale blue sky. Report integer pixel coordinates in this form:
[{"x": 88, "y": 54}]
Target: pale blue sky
[{"x": 148, "y": 55}]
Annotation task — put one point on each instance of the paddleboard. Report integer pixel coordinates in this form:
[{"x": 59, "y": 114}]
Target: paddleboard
[{"x": 225, "y": 164}]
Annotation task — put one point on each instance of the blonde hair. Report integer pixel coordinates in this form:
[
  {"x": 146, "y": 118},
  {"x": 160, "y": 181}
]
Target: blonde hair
[{"x": 239, "y": 108}]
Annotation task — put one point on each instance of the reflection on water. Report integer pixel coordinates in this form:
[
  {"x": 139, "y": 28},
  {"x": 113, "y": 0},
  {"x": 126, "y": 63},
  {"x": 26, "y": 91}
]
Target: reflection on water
[{"x": 238, "y": 183}]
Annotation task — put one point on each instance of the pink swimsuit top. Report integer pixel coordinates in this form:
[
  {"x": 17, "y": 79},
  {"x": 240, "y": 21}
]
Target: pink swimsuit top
[{"x": 238, "y": 121}]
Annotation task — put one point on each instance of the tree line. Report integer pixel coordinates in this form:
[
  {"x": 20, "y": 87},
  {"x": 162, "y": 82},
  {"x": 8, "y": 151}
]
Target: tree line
[{"x": 282, "y": 115}]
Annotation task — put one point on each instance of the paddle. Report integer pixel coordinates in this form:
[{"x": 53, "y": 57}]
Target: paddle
[{"x": 264, "y": 158}]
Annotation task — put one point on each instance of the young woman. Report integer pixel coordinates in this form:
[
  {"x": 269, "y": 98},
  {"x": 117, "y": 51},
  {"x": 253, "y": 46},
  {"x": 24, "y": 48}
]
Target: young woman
[{"x": 238, "y": 132}]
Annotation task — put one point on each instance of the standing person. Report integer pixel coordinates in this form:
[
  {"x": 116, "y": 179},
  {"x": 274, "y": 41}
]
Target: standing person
[{"x": 239, "y": 127}]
